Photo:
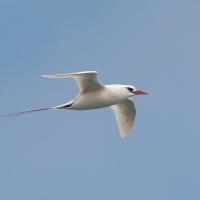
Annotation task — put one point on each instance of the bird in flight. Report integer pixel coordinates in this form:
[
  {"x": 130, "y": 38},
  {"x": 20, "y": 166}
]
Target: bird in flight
[{"x": 94, "y": 95}]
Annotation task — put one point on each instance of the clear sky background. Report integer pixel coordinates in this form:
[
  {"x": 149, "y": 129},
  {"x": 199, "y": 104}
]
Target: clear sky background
[{"x": 153, "y": 45}]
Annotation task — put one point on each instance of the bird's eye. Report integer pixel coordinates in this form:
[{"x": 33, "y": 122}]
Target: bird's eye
[{"x": 130, "y": 89}]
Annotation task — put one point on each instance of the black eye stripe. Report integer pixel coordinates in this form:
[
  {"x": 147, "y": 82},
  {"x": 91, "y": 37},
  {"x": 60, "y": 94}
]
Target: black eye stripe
[{"x": 130, "y": 89}]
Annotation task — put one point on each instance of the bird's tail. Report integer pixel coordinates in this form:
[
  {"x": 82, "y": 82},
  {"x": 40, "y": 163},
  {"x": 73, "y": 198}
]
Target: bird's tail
[{"x": 25, "y": 112}]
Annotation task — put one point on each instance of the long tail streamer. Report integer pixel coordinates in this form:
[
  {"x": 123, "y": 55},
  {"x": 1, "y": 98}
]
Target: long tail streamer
[{"x": 25, "y": 112}]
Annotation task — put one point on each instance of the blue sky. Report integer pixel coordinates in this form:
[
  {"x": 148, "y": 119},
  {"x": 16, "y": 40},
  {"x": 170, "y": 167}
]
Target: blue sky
[{"x": 153, "y": 45}]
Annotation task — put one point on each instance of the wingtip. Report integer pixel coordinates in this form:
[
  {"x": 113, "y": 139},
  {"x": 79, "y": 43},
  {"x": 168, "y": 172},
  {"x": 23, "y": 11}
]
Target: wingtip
[
  {"x": 44, "y": 76},
  {"x": 125, "y": 134},
  {"x": 68, "y": 74}
]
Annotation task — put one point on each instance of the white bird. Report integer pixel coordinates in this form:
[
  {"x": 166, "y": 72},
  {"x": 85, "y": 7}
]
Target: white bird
[{"x": 94, "y": 95}]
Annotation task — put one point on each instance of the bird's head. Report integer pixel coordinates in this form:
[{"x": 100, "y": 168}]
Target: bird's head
[{"x": 133, "y": 91}]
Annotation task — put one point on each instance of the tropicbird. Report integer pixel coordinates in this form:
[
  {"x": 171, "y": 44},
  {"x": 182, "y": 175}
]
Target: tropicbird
[{"x": 94, "y": 95}]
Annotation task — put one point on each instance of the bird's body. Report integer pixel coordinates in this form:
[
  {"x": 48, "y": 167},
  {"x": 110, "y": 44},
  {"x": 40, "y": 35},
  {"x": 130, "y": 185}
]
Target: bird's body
[
  {"x": 106, "y": 96},
  {"x": 94, "y": 95}
]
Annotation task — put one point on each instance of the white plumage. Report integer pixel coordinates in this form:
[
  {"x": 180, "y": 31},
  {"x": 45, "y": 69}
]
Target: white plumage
[{"x": 95, "y": 95}]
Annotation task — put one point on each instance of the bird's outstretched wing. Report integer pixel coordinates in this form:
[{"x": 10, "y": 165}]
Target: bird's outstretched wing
[
  {"x": 86, "y": 80},
  {"x": 125, "y": 113}
]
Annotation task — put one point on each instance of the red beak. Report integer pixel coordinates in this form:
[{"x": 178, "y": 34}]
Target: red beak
[{"x": 139, "y": 92}]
